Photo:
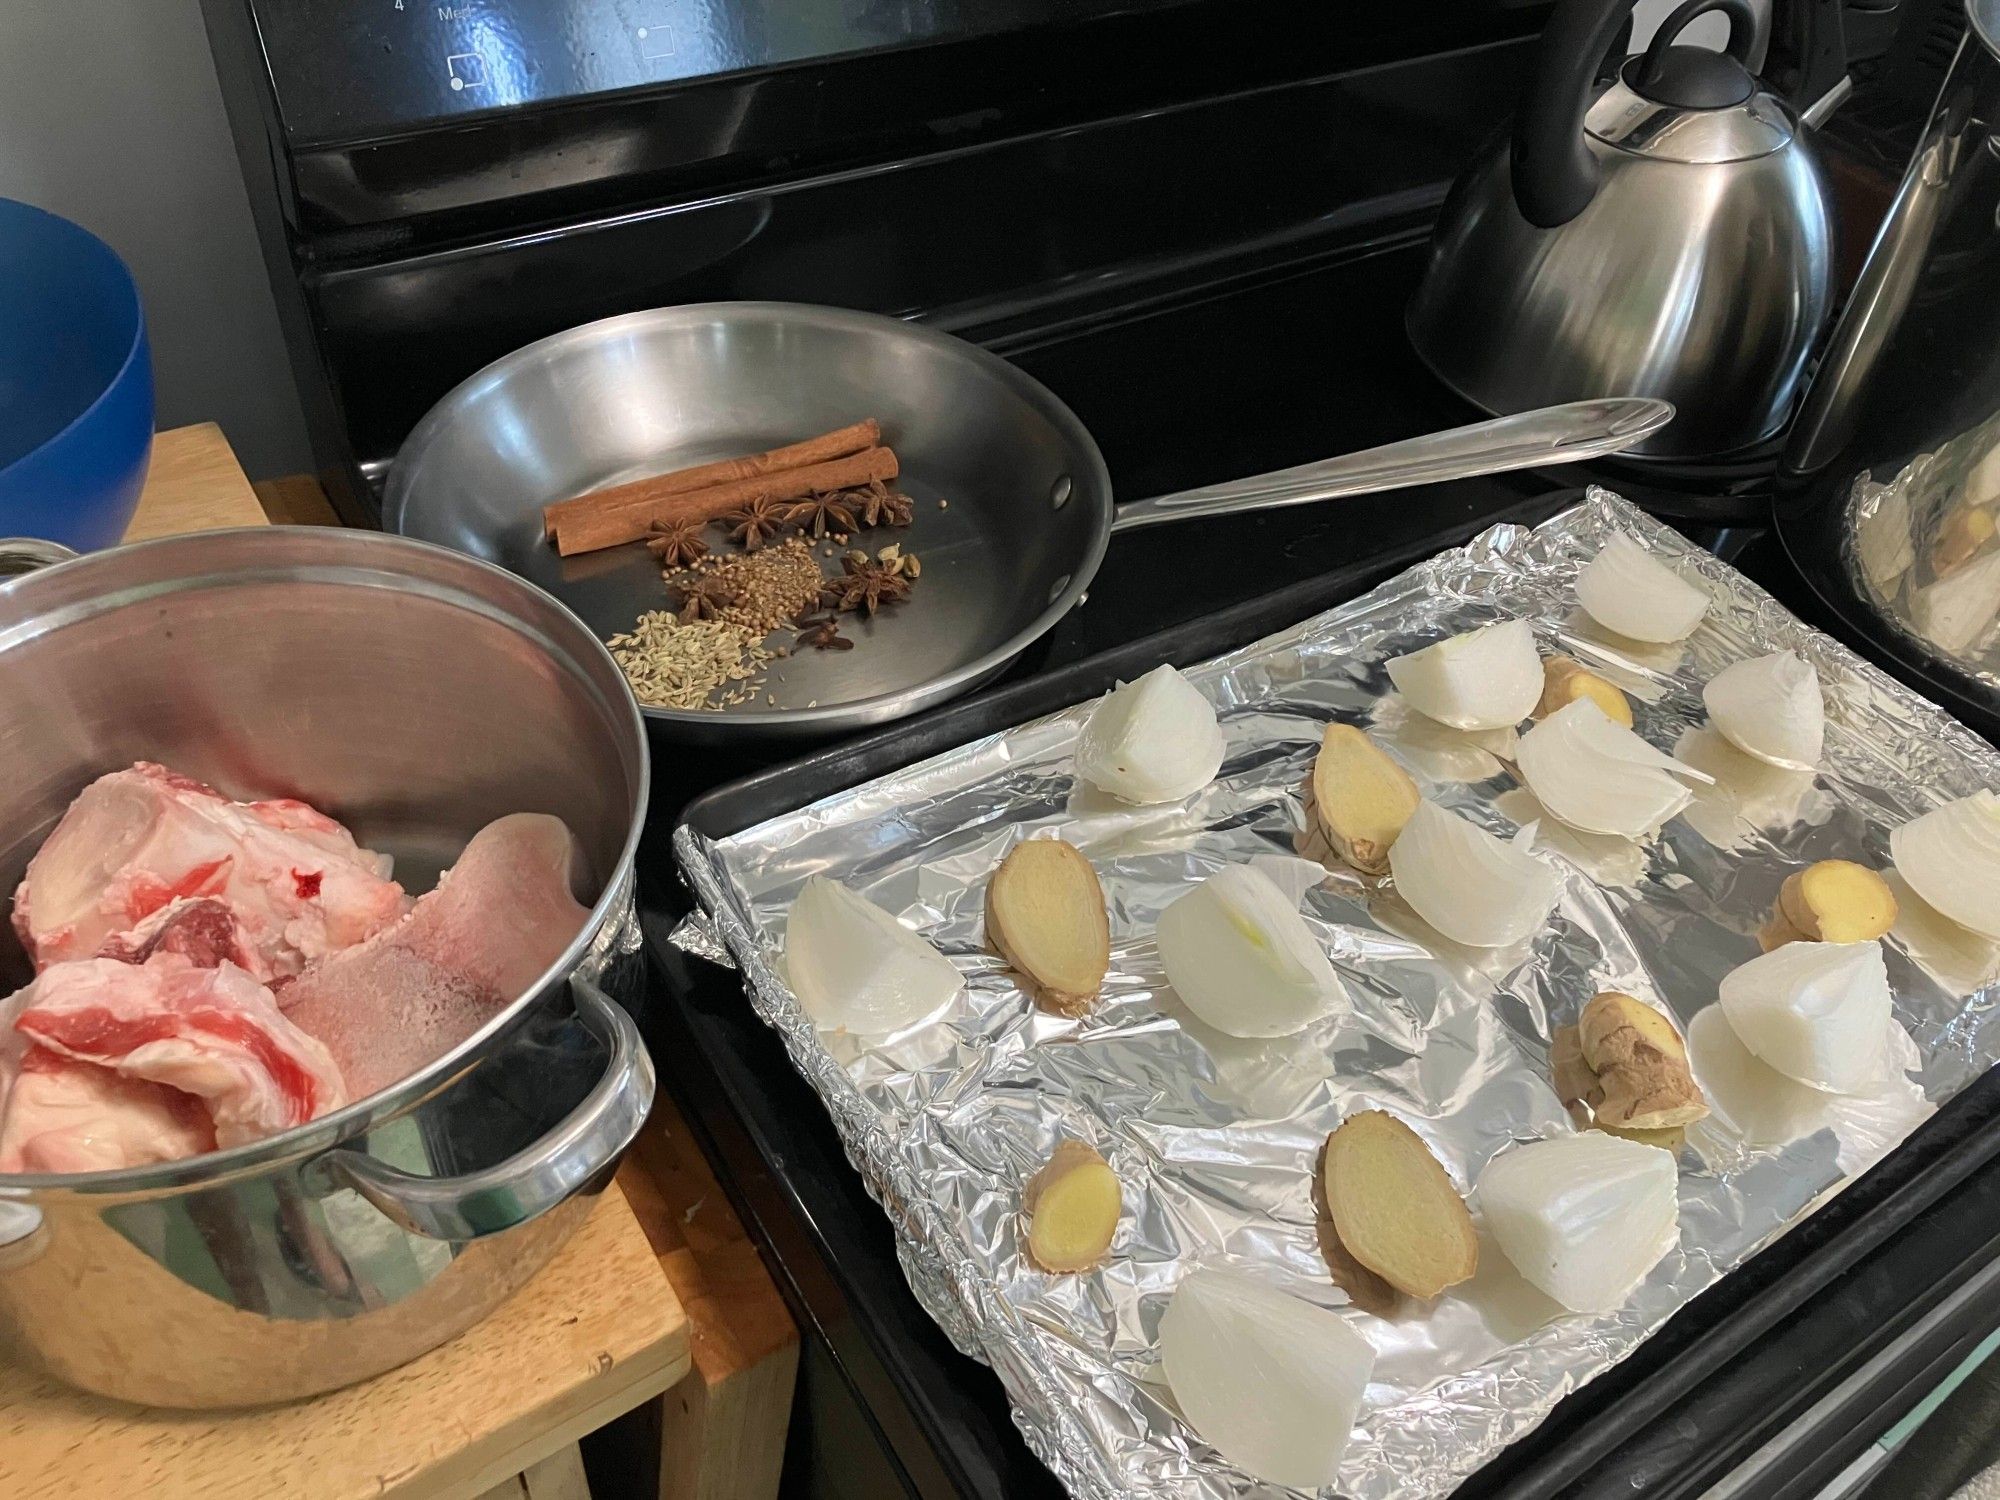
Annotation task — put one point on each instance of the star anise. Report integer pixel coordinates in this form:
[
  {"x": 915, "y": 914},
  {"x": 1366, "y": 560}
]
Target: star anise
[
  {"x": 882, "y": 506},
  {"x": 703, "y": 597},
  {"x": 826, "y": 514},
  {"x": 757, "y": 522},
  {"x": 865, "y": 586},
  {"x": 823, "y": 633},
  {"x": 677, "y": 543}
]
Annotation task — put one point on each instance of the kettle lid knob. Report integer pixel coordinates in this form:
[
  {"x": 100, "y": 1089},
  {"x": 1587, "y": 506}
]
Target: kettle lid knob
[{"x": 1695, "y": 77}]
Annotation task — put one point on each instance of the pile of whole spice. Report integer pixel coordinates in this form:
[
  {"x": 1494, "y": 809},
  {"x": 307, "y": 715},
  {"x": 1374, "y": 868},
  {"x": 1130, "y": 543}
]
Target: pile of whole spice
[
  {"x": 711, "y": 649},
  {"x": 703, "y": 664},
  {"x": 767, "y": 589}
]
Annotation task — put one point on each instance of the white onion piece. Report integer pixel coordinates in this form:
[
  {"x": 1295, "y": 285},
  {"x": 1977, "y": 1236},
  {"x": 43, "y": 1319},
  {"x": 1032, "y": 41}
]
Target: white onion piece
[
  {"x": 1632, "y": 593},
  {"x": 1600, "y": 777},
  {"x": 1770, "y": 707},
  {"x": 1747, "y": 1095},
  {"x": 1982, "y": 480},
  {"x": 856, "y": 968},
  {"x": 1472, "y": 887},
  {"x": 1583, "y": 1217},
  {"x": 1882, "y": 543},
  {"x": 1271, "y": 1381},
  {"x": 1951, "y": 858},
  {"x": 1488, "y": 678},
  {"x": 1744, "y": 789},
  {"x": 1955, "y": 612},
  {"x": 1963, "y": 959},
  {"x": 1817, "y": 1012},
  {"x": 1292, "y": 875},
  {"x": 1151, "y": 740},
  {"x": 1609, "y": 860},
  {"x": 1436, "y": 752},
  {"x": 1241, "y": 957}
]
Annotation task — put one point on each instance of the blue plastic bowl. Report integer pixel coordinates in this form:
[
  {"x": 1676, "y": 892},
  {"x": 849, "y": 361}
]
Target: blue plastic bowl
[{"x": 76, "y": 383}]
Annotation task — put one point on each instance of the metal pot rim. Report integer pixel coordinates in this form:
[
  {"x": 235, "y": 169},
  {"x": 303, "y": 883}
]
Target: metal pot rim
[
  {"x": 859, "y": 712},
  {"x": 377, "y": 550}
]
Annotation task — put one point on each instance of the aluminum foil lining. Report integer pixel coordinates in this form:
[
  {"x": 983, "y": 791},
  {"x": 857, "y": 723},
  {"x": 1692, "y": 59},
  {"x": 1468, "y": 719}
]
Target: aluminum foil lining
[{"x": 1215, "y": 1139}]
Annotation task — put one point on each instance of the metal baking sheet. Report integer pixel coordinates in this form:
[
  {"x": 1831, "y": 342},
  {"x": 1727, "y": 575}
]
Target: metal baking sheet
[{"x": 1214, "y": 1138}]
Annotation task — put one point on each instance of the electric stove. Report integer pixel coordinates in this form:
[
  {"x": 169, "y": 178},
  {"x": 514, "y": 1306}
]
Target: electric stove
[{"x": 1197, "y": 221}]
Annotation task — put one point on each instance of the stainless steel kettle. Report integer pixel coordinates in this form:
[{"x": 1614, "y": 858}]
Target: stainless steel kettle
[{"x": 1663, "y": 234}]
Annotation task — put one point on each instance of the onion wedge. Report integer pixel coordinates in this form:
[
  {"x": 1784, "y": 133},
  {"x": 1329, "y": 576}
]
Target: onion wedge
[
  {"x": 1748, "y": 1096},
  {"x": 1816, "y": 1012},
  {"x": 1600, "y": 777},
  {"x": 1154, "y": 739},
  {"x": 1488, "y": 678},
  {"x": 1951, "y": 858},
  {"x": 1770, "y": 707},
  {"x": 1474, "y": 888},
  {"x": 1242, "y": 959},
  {"x": 856, "y": 968},
  {"x": 1632, "y": 593},
  {"x": 1583, "y": 1218},
  {"x": 1955, "y": 613},
  {"x": 1271, "y": 1381}
]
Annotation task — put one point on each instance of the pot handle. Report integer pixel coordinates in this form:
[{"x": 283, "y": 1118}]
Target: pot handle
[
  {"x": 537, "y": 1178},
  {"x": 1554, "y": 172},
  {"x": 25, "y": 554}
]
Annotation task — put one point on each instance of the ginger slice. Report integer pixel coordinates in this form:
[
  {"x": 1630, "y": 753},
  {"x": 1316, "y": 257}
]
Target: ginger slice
[
  {"x": 1670, "y": 1139},
  {"x": 1364, "y": 1288},
  {"x": 1358, "y": 798},
  {"x": 1565, "y": 680},
  {"x": 1394, "y": 1206},
  {"x": 1641, "y": 1065},
  {"x": 1073, "y": 1204},
  {"x": 1967, "y": 529},
  {"x": 1833, "y": 901},
  {"x": 1045, "y": 916},
  {"x": 1575, "y": 1083}
]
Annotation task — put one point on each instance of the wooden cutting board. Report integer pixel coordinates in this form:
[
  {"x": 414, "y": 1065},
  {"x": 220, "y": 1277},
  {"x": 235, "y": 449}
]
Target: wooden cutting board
[
  {"x": 193, "y": 484},
  {"x": 595, "y": 1334}
]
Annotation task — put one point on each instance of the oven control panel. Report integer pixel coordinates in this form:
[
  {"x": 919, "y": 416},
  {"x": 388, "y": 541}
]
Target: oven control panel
[{"x": 349, "y": 69}]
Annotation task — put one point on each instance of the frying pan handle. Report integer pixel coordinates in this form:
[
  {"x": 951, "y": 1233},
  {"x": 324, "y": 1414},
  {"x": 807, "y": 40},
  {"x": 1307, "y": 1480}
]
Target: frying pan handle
[{"x": 1531, "y": 440}]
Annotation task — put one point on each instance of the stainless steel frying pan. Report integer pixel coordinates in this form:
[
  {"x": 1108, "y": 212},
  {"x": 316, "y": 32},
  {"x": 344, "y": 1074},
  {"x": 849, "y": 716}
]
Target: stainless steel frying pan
[{"x": 1014, "y": 506}]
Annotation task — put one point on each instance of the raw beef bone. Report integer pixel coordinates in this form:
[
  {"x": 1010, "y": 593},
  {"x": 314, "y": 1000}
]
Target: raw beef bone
[
  {"x": 497, "y": 920},
  {"x": 204, "y": 931},
  {"x": 136, "y": 840},
  {"x": 214, "y": 1033},
  {"x": 65, "y": 1116}
]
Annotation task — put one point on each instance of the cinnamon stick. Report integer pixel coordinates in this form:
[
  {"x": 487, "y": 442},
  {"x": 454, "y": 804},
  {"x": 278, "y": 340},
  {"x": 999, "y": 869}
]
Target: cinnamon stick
[
  {"x": 814, "y": 450},
  {"x": 629, "y": 519}
]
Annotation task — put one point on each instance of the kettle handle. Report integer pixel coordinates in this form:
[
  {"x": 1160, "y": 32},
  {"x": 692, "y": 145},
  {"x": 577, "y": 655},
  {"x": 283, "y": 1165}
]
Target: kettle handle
[
  {"x": 1555, "y": 175},
  {"x": 1742, "y": 33}
]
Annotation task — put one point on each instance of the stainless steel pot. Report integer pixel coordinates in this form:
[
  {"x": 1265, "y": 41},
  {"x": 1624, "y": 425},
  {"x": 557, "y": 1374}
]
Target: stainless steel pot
[
  {"x": 1891, "y": 481},
  {"x": 416, "y": 694}
]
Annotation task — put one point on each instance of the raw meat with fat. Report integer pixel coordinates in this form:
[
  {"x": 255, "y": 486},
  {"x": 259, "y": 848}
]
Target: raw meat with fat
[
  {"x": 214, "y": 1033},
  {"x": 64, "y": 1116},
  {"x": 204, "y": 931},
  {"x": 497, "y": 920},
  {"x": 135, "y": 841}
]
